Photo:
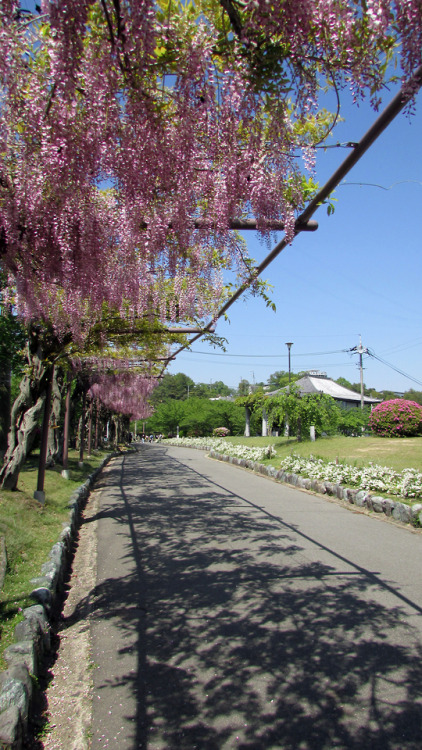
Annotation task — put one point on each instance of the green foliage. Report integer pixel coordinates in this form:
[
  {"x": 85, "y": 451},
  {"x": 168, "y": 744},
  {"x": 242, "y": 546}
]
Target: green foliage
[
  {"x": 280, "y": 379},
  {"x": 196, "y": 417},
  {"x": 412, "y": 395},
  {"x": 12, "y": 361},
  {"x": 396, "y": 418},
  {"x": 13, "y": 337},
  {"x": 30, "y": 530},
  {"x": 172, "y": 387},
  {"x": 353, "y": 422},
  {"x": 166, "y": 418},
  {"x": 347, "y": 384},
  {"x": 300, "y": 413},
  {"x": 243, "y": 387},
  {"x": 253, "y": 401},
  {"x": 181, "y": 387}
]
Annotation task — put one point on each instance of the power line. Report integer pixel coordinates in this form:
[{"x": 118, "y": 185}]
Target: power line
[
  {"x": 393, "y": 367},
  {"x": 382, "y": 187},
  {"x": 268, "y": 356},
  {"x": 303, "y": 223}
]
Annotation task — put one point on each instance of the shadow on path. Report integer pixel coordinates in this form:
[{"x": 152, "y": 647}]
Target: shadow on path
[{"x": 239, "y": 641}]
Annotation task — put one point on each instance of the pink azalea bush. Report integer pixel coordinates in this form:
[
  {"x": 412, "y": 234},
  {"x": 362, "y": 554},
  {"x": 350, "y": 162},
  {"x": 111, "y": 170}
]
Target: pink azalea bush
[
  {"x": 221, "y": 432},
  {"x": 396, "y": 418}
]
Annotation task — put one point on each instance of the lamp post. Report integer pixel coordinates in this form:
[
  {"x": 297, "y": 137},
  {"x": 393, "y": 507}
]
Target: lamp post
[{"x": 289, "y": 345}]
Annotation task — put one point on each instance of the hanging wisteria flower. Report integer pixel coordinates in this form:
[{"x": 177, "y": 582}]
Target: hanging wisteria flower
[{"x": 131, "y": 137}]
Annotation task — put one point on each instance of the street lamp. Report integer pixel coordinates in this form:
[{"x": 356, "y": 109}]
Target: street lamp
[{"x": 289, "y": 345}]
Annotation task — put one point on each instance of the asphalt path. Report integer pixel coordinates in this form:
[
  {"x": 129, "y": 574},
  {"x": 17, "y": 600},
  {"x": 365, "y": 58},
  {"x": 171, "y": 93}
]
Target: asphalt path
[{"x": 231, "y": 611}]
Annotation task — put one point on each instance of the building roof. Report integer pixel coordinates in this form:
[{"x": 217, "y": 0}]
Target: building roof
[{"x": 315, "y": 384}]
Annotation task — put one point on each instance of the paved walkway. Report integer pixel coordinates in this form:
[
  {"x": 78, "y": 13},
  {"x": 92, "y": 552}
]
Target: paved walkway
[{"x": 235, "y": 612}]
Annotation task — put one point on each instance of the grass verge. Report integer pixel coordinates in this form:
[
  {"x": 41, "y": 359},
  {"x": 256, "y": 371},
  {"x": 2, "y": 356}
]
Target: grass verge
[
  {"x": 30, "y": 530},
  {"x": 398, "y": 453}
]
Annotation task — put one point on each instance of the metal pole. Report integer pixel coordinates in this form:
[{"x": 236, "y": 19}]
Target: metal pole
[
  {"x": 361, "y": 351},
  {"x": 289, "y": 345}
]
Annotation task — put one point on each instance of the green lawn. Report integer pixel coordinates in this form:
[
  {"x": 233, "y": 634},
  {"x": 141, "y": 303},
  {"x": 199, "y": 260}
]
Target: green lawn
[
  {"x": 30, "y": 530},
  {"x": 398, "y": 453}
]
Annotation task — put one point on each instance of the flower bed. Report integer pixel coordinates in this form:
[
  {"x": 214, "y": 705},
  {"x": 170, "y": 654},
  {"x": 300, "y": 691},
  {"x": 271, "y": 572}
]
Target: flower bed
[
  {"x": 407, "y": 484},
  {"x": 220, "y": 446}
]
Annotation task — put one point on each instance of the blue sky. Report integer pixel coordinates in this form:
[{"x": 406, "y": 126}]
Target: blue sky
[{"x": 359, "y": 274}]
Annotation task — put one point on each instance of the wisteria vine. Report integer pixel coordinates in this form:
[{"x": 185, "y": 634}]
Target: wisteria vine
[{"x": 133, "y": 132}]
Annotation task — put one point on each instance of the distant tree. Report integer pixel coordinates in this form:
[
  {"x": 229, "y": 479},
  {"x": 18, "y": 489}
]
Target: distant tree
[
  {"x": 176, "y": 386},
  {"x": 412, "y": 395},
  {"x": 166, "y": 418},
  {"x": 280, "y": 379},
  {"x": 201, "y": 390},
  {"x": 347, "y": 384},
  {"x": 230, "y": 415},
  {"x": 197, "y": 418},
  {"x": 243, "y": 387},
  {"x": 220, "y": 389},
  {"x": 387, "y": 395}
]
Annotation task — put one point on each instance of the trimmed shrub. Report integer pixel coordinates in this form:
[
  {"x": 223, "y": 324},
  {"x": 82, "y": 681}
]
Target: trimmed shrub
[
  {"x": 396, "y": 418},
  {"x": 221, "y": 432}
]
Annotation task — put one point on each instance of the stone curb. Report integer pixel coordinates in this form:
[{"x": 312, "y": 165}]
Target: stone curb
[
  {"x": 408, "y": 514},
  {"x": 32, "y": 634},
  {"x": 3, "y": 561}
]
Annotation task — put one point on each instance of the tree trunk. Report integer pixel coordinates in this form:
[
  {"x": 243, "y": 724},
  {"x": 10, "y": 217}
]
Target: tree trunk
[
  {"x": 116, "y": 424},
  {"x": 89, "y": 444},
  {"x": 82, "y": 430},
  {"x": 25, "y": 414},
  {"x": 65, "y": 472},
  {"x": 55, "y": 442},
  {"x": 247, "y": 422}
]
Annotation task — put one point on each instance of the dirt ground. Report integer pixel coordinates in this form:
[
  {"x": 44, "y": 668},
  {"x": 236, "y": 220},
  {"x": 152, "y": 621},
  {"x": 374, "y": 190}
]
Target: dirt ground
[{"x": 63, "y": 718}]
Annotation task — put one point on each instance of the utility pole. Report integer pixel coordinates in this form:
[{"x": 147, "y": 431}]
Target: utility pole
[
  {"x": 361, "y": 350},
  {"x": 289, "y": 345}
]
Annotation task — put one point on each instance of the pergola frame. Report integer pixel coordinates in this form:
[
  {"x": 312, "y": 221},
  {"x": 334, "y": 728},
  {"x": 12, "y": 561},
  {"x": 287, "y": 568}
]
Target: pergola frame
[{"x": 303, "y": 222}]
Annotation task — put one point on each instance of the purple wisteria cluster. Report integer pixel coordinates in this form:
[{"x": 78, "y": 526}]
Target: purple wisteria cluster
[{"x": 396, "y": 418}]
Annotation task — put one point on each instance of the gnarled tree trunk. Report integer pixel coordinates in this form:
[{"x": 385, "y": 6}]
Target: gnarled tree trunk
[
  {"x": 55, "y": 441},
  {"x": 26, "y": 410}
]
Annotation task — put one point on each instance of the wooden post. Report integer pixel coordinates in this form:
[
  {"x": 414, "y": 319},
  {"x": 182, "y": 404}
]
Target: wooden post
[{"x": 39, "y": 493}]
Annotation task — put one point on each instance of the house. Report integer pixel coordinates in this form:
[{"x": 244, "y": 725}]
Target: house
[{"x": 317, "y": 382}]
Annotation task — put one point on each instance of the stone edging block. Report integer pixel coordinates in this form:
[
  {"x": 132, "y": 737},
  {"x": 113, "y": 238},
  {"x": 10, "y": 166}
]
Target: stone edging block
[
  {"x": 361, "y": 498},
  {"x": 32, "y": 634}
]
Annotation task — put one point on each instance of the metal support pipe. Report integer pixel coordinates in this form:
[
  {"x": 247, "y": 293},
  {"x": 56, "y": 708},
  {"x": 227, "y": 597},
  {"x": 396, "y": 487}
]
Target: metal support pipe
[{"x": 303, "y": 222}]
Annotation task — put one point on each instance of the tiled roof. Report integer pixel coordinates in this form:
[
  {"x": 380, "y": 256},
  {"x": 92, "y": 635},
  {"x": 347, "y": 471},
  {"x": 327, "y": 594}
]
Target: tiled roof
[{"x": 311, "y": 384}]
